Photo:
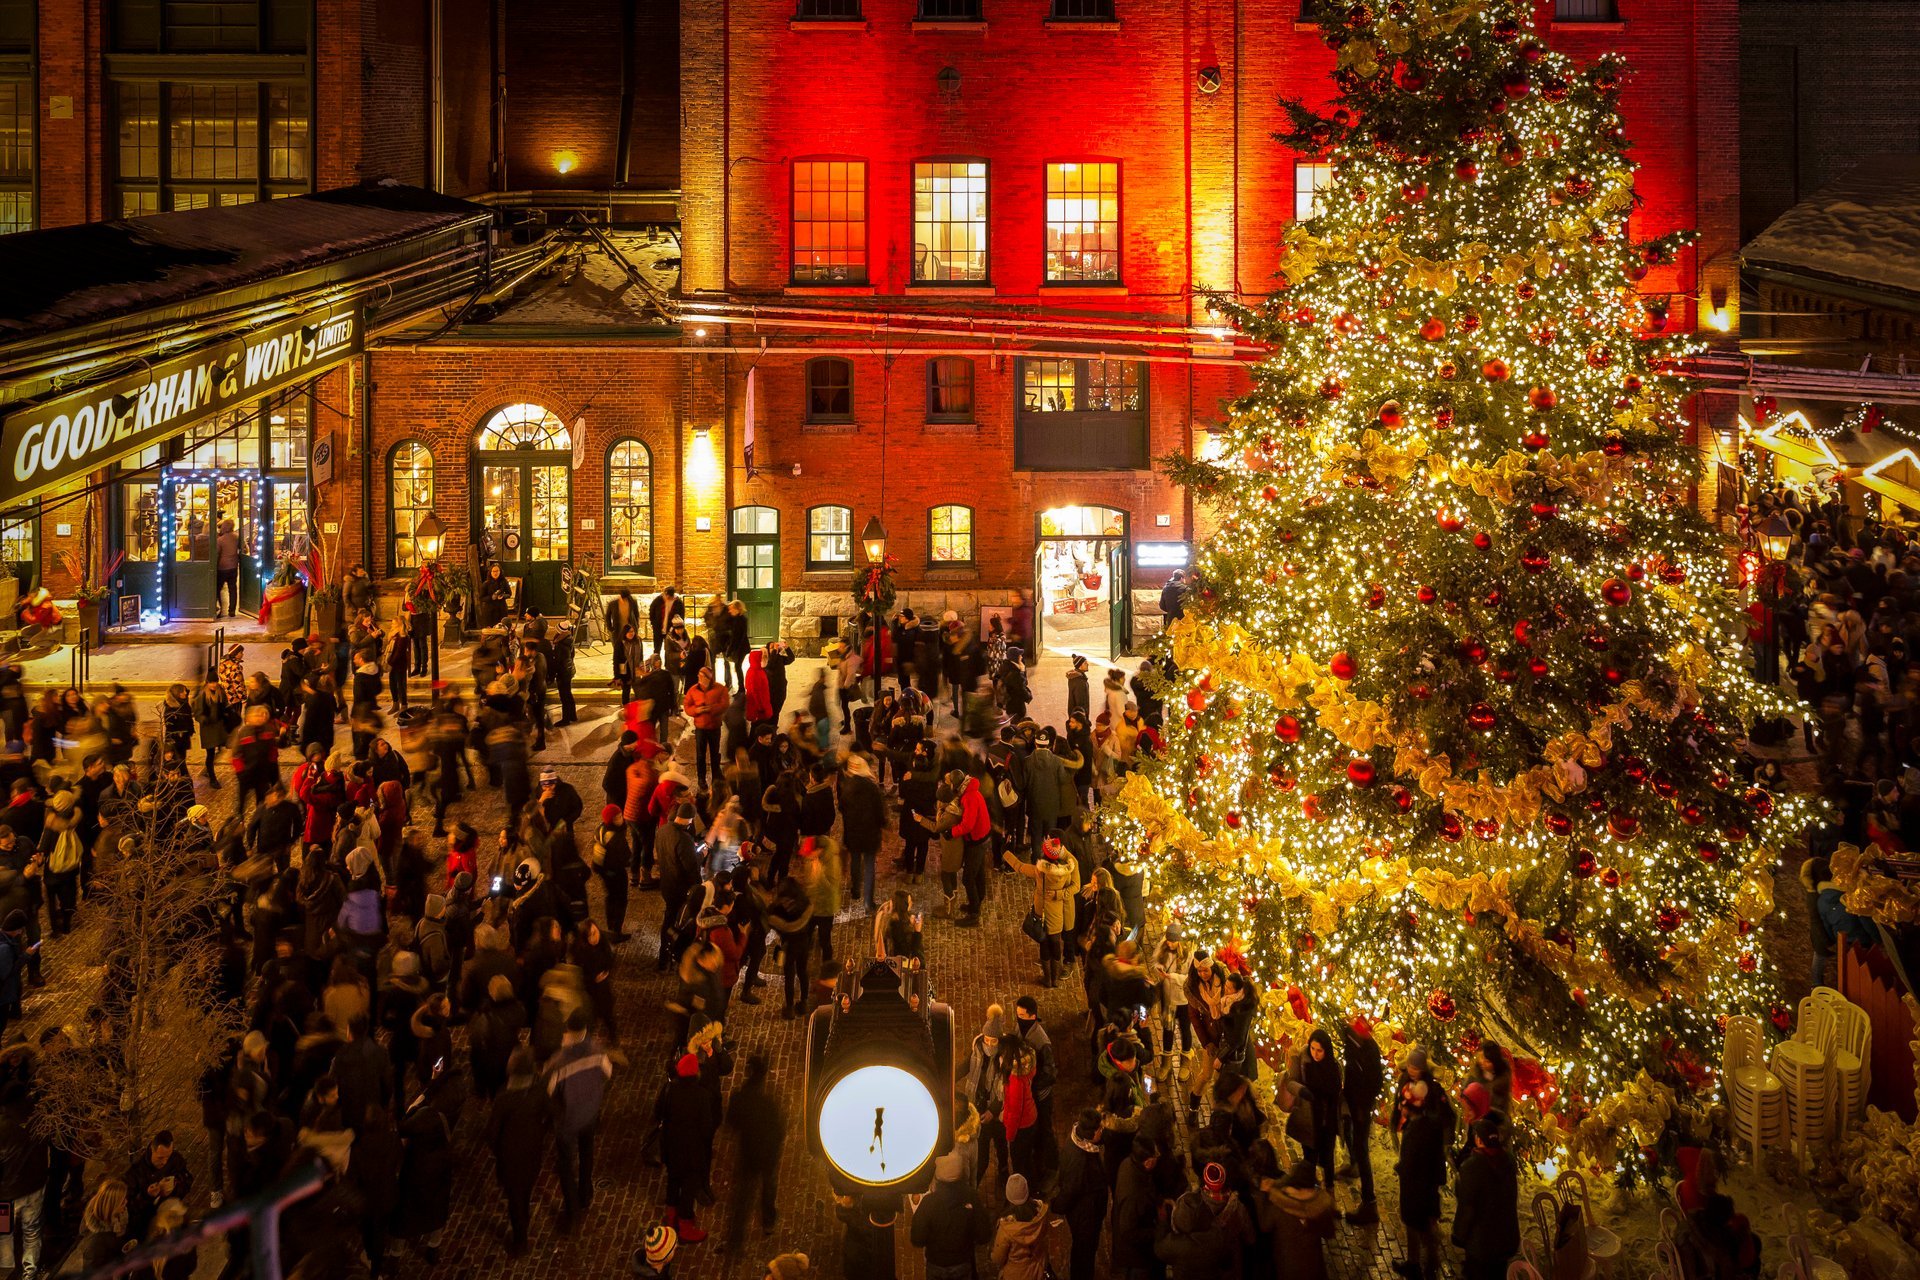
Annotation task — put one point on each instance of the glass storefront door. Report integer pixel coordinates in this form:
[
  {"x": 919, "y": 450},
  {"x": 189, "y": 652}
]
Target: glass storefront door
[{"x": 525, "y": 508}]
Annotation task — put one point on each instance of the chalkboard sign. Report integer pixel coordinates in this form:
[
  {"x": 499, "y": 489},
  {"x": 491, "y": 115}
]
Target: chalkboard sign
[{"x": 129, "y": 611}]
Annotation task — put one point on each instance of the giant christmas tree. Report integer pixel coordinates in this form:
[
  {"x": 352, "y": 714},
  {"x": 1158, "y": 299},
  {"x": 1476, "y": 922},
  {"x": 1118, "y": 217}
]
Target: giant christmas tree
[{"x": 1453, "y": 739}]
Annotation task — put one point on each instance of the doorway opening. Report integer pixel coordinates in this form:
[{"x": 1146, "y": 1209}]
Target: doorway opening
[
  {"x": 522, "y": 495},
  {"x": 1081, "y": 585}
]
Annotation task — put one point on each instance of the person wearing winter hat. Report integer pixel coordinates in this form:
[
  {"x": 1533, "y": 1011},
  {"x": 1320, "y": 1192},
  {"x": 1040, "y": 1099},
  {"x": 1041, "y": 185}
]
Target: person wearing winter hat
[
  {"x": 985, "y": 1087},
  {"x": 677, "y": 863},
  {"x": 689, "y": 1119},
  {"x": 948, "y": 1225},
  {"x": 653, "y": 1260},
  {"x": 1020, "y": 1243},
  {"x": 789, "y": 1266}
]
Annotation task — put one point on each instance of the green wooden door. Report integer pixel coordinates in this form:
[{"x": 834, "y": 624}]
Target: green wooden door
[{"x": 753, "y": 568}]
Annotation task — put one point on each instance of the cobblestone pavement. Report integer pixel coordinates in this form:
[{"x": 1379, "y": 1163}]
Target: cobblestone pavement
[{"x": 970, "y": 969}]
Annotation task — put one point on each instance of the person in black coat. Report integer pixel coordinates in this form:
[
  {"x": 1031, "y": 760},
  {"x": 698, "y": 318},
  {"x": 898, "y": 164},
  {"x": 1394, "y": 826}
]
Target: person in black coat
[
  {"x": 614, "y": 865},
  {"x": 1365, "y": 1075},
  {"x": 1426, "y": 1133},
  {"x": 689, "y": 1119},
  {"x": 759, "y": 1125},
  {"x": 1486, "y": 1217},
  {"x": 1192, "y": 1244},
  {"x": 518, "y": 1127},
  {"x": 949, "y": 1225},
  {"x": 1080, "y": 1192},
  {"x": 426, "y": 1173},
  {"x": 1320, "y": 1070}
]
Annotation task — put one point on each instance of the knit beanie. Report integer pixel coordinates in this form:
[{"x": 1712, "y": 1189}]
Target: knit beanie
[{"x": 662, "y": 1241}]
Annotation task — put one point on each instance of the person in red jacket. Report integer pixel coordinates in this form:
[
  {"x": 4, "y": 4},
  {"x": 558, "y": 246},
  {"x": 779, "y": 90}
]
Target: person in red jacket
[
  {"x": 757, "y": 691},
  {"x": 706, "y": 706},
  {"x": 320, "y": 787}
]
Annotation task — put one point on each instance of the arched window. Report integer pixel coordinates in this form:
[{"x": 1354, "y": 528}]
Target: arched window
[
  {"x": 409, "y": 498},
  {"x": 950, "y": 537},
  {"x": 524, "y": 426},
  {"x": 829, "y": 389},
  {"x": 829, "y": 537},
  {"x": 630, "y": 507}
]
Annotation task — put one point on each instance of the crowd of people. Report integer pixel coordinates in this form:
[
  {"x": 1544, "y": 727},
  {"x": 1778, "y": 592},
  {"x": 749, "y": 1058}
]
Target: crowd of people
[{"x": 396, "y": 985}]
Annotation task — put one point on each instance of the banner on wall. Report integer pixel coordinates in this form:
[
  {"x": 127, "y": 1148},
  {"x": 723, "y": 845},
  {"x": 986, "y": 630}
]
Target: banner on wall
[{"x": 45, "y": 444}]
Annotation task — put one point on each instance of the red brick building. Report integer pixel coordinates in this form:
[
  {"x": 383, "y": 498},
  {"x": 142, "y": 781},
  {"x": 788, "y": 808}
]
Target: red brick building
[{"x": 771, "y": 268}]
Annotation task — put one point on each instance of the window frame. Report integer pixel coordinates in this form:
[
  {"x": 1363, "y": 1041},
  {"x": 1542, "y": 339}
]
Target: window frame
[
  {"x": 818, "y": 564},
  {"x": 1118, "y": 278},
  {"x": 864, "y": 275},
  {"x": 161, "y": 192},
  {"x": 641, "y": 567},
  {"x": 1107, "y": 12},
  {"x": 1317, "y": 164},
  {"x": 975, "y": 11},
  {"x": 828, "y": 419},
  {"x": 394, "y": 564},
  {"x": 1603, "y": 11},
  {"x": 971, "y": 534},
  {"x": 800, "y": 13},
  {"x": 18, "y": 189},
  {"x": 970, "y": 415},
  {"x": 1081, "y": 439},
  {"x": 273, "y": 32},
  {"x": 986, "y": 223}
]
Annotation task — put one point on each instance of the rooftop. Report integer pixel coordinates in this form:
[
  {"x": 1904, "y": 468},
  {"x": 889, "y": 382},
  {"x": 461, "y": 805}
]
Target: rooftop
[
  {"x": 65, "y": 277},
  {"x": 1863, "y": 229}
]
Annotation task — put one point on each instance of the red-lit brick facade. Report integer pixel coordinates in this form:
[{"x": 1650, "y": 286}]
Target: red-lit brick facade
[{"x": 720, "y": 100}]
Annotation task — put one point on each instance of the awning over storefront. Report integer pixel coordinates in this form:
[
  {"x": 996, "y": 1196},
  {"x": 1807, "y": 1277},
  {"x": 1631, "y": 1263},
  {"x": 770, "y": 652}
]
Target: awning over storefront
[
  {"x": 1815, "y": 440},
  {"x": 117, "y": 335}
]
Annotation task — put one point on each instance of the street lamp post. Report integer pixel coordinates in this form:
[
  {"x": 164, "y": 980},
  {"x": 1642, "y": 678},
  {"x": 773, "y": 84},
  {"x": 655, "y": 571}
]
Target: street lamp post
[
  {"x": 429, "y": 535},
  {"x": 873, "y": 538},
  {"x": 1776, "y": 540}
]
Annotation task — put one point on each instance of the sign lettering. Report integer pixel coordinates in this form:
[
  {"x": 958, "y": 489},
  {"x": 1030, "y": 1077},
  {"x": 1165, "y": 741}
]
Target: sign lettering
[{"x": 50, "y": 442}]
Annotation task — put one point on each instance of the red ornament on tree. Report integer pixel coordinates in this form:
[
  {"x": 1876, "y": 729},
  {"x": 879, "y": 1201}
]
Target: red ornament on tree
[
  {"x": 1481, "y": 717},
  {"x": 1196, "y": 700},
  {"x": 1360, "y": 772},
  {"x": 1533, "y": 560},
  {"x": 1433, "y": 328},
  {"x": 1542, "y": 399},
  {"x": 1441, "y": 1006},
  {"x": 1708, "y": 851},
  {"x": 1615, "y": 592},
  {"x": 1622, "y": 825},
  {"x": 1343, "y": 666},
  {"x": 1494, "y": 370},
  {"x": 1391, "y": 416},
  {"x": 1287, "y": 729}
]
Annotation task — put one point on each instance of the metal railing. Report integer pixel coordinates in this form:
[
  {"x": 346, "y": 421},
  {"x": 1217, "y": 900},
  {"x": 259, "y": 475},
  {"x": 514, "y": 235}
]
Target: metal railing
[
  {"x": 260, "y": 1214},
  {"x": 214, "y": 652},
  {"x": 81, "y": 661}
]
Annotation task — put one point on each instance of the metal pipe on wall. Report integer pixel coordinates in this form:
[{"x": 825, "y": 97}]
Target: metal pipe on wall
[
  {"x": 629, "y": 25},
  {"x": 436, "y": 95}
]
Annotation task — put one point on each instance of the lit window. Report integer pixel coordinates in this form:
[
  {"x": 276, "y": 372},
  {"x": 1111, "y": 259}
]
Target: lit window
[
  {"x": 950, "y": 536},
  {"x": 1083, "y": 222},
  {"x": 630, "y": 507},
  {"x": 829, "y": 390},
  {"x": 524, "y": 426},
  {"x": 16, "y": 155},
  {"x": 1049, "y": 386},
  {"x": 409, "y": 498},
  {"x": 950, "y": 389},
  {"x": 18, "y": 543},
  {"x": 830, "y": 221},
  {"x": 950, "y": 222},
  {"x": 829, "y": 537},
  {"x": 287, "y": 433},
  {"x": 1310, "y": 178},
  {"x": 205, "y": 145},
  {"x": 219, "y": 443},
  {"x": 1113, "y": 386}
]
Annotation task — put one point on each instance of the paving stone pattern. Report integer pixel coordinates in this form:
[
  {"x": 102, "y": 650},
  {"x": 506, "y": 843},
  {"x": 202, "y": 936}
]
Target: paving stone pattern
[{"x": 971, "y": 968}]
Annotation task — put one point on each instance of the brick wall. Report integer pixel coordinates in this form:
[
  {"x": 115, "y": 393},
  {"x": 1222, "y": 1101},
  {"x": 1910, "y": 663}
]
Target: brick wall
[
  {"x": 396, "y": 136},
  {"x": 1824, "y": 86},
  {"x": 442, "y": 395},
  {"x": 71, "y": 179}
]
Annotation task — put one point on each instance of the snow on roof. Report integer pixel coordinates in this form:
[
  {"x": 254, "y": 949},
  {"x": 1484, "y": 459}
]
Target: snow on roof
[
  {"x": 68, "y": 276},
  {"x": 589, "y": 288},
  {"x": 1864, "y": 227}
]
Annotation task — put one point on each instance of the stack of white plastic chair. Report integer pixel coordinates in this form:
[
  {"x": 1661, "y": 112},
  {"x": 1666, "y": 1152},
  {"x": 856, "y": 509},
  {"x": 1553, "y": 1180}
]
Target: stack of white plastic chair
[
  {"x": 1804, "y": 1070},
  {"x": 1756, "y": 1098},
  {"x": 1846, "y": 1037}
]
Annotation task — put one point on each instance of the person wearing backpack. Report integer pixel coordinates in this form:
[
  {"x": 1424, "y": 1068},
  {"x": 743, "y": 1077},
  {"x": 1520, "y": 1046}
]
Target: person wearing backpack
[
  {"x": 612, "y": 860},
  {"x": 60, "y": 841},
  {"x": 436, "y": 952}
]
